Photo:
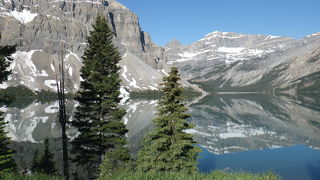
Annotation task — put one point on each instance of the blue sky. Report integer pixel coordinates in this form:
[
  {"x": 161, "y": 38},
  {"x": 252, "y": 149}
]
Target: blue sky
[{"x": 188, "y": 21}]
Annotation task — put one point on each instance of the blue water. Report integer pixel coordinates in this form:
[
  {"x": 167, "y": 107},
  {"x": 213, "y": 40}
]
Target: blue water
[{"x": 290, "y": 163}]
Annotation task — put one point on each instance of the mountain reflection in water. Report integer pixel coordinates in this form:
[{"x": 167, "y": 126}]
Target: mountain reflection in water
[
  {"x": 225, "y": 123},
  {"x": 232, "y": 123}
]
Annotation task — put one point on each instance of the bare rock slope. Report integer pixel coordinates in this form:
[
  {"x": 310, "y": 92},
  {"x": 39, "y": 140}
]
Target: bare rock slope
[
  {"x": 225, "y": 61},
  {"x": 50, "y": 31}
]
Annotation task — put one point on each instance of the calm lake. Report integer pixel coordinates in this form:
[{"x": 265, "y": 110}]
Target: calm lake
[{"x": 237, "y": 132}]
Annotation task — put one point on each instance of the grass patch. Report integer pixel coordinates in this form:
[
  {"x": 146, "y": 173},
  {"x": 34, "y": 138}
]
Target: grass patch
[
  {"x": 215, "y": 175},
  {"x": 28, "y": 177}
]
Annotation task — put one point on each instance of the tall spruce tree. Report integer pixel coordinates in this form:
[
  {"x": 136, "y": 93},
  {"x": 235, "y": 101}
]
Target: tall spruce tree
[
  {"x": 35, "y": 164},
  {"x": 7, "y": 163},
  {"x": 168, "y": 148},
  {"x": 98, "y": 118},
  {"x": 44, "y": 163}
]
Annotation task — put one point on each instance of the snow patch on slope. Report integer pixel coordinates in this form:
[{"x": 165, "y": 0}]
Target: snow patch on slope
[
  {"x": 314, "y": 34},
  {"x": 138, "y": 75},
  {"x": 132, "y": 82},
  {"x": 233, "y": 130},
  {"x": 124, "y": 94},
  {"x": 68, "y": 65},
  {"x": 73, "y": 54},
  {"x": 3, "y": 85},
  {"x": 230, "y": 49},
  {"x": 187, "y": 56},
  {"x": 194, "y": 131},
  {"x": 53, "y": 108},
  {"x": 51, "y": 84},
  {"x": 24, "y": 16},
  {"x": 224, "y": 35},
  {"x": 26, "y": 58}
]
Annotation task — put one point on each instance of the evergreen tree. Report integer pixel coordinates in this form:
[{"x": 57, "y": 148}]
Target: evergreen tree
[
  {"x": 5, "y": 60},
  {"x": 35, "y": 164},
  {"x": 44, "y": 164},
  {"x": 168, "y": 148},
  {"x": 98, "y": 118},
  {"x": 7, "y": 163},
  {"x": 114, "y": 161}
]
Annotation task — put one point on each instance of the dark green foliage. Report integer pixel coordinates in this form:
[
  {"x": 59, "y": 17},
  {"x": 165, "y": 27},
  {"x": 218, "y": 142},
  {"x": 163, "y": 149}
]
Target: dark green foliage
[
  {"x": 157, "y": 94},
  {"x": 18, "y": 96},
  {"x": 148, "y": 94},
  {"x": 168, "y": 148},
  {"x": 18, "y": 92},
  {"x": 7, "y": 163},
  {"x": 47, "y": 96},
  {"x": 21, "y": 96},
  {"x": 35, "y": 165},
  {"x": 118, "y": 157},
  {"x": 44, "y": 163},
  {"x": 5, "y": 60},
  {"x": 98, "y": 118}
]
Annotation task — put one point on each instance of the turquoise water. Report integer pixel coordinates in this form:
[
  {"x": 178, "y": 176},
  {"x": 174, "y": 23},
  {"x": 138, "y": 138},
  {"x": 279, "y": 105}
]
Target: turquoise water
[{"x": 290, "y": 163}]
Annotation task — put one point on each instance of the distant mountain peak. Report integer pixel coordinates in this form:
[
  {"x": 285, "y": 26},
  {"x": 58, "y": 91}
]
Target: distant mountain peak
[
  {"x": 219, "y": 34},
  {"x": 174, "y": 43},
  {"x": 314, "y": 34}
]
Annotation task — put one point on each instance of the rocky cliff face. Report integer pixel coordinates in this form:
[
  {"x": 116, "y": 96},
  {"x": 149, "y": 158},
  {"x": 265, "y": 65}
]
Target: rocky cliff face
[
  {"x": 223, "y": 61},
  {"x": 50, "y": 31}
]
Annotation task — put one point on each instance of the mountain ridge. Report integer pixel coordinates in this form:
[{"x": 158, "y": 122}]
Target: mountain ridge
[{"x": 226, "y": 61}]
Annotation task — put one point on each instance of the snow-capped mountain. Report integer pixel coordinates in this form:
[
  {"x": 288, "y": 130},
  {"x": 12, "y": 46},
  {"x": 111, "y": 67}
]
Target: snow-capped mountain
[
  {"x": 47, "y": 32},
  {"x": 225, "y": 61}
]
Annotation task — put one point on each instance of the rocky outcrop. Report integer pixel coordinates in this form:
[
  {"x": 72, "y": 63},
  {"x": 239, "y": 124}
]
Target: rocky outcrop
[
  {"x": 224, "y": 61},
  {"x": 48, "y": 32}
]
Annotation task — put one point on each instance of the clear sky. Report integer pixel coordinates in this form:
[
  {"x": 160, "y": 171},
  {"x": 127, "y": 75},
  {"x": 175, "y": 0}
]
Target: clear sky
[{"x": 188, "y": 21}]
